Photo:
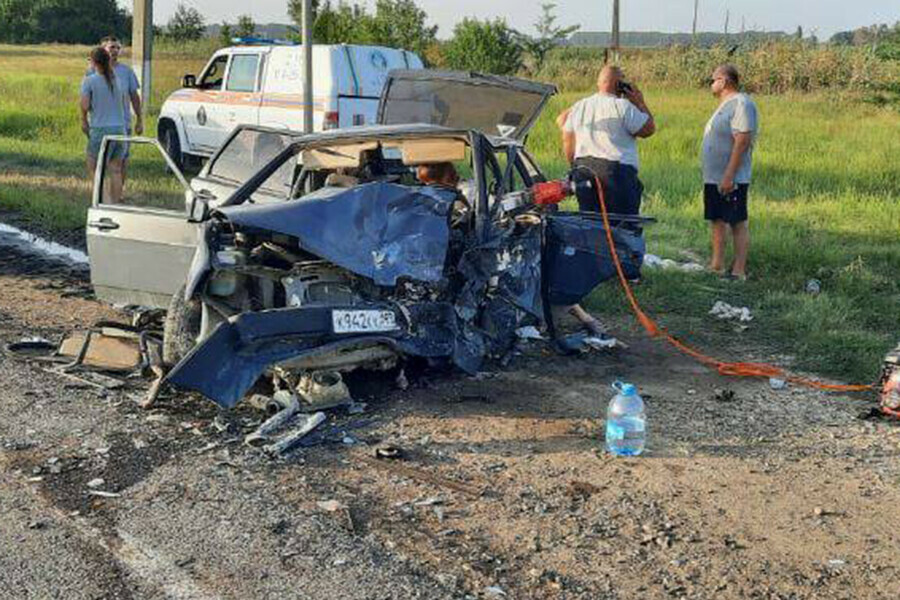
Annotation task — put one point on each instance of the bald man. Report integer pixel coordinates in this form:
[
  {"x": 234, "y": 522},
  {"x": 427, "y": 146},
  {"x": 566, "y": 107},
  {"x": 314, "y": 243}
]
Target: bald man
[{"x": 600, "y": 133}]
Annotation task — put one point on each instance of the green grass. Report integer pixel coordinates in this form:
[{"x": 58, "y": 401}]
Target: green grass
[{"x": 824, "y": 205}]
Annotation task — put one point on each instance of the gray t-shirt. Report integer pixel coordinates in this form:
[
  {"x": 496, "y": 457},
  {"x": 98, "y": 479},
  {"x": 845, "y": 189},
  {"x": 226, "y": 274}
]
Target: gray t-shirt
[
  {"x": 126, "y": 77},
  {"x": 604, "y": 127},
  {"x": 107, "y": 105},
  {"x": 736, "y": 115}
]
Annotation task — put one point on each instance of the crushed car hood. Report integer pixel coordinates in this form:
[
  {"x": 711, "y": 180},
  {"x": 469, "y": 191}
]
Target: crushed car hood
[{"x": 387, "y": 231}]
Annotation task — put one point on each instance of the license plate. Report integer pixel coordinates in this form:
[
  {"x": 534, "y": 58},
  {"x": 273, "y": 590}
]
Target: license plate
[{"x": 363, "y": 321}]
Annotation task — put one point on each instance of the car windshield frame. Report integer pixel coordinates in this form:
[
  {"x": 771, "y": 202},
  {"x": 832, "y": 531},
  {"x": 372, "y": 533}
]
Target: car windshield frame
[{"x": 475, "y": 141}]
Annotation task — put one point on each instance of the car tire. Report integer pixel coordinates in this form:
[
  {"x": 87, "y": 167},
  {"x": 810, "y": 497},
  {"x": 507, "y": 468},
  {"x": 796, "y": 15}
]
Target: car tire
[
  {"x": 168, "y": 137},
  {"x": 181, "y": 328}
]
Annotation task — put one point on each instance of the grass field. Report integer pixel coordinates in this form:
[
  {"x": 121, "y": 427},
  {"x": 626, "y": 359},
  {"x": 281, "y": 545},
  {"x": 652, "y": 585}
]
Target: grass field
[{"x": 824, "y": 205}]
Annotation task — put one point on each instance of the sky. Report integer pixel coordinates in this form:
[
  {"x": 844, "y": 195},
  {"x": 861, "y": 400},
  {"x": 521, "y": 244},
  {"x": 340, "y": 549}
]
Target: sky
[{"x": 822, "y": 17}]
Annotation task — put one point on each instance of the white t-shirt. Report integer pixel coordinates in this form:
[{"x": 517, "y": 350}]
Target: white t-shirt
[
  {"x": 604, "y": 127},
  {"x": 738, "y": 114}
]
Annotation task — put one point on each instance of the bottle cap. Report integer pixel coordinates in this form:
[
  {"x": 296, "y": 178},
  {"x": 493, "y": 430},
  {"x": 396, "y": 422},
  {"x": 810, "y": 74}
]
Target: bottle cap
[{"x": 626, "y": 389}]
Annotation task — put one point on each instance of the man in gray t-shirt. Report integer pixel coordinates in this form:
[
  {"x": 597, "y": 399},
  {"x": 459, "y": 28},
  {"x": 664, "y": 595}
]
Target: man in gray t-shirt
[{"x": 727, "y": 167}]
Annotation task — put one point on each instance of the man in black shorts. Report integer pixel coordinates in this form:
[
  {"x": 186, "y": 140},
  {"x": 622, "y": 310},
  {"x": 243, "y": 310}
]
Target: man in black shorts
[{"x": 727, "y": 166}]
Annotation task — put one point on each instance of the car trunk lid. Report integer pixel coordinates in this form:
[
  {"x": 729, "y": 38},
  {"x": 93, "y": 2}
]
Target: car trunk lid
[{"x": 501, "y": 107}]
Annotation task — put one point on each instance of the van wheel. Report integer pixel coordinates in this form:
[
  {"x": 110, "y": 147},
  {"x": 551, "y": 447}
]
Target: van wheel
[
  {"x": 182, "y": 327},
  {"x": 168, "y": 137}
]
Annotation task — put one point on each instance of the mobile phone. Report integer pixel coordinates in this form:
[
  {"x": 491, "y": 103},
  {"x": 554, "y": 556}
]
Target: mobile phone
[{"x": 623, "y": 88}]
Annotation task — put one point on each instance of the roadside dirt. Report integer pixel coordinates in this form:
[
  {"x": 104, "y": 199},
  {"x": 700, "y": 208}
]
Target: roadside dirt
[{"x": 504, "y": 490}]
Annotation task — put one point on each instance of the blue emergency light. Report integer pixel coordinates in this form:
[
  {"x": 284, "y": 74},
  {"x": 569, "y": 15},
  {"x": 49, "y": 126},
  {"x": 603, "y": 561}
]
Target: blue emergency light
[{"x": 255, "y": 41}]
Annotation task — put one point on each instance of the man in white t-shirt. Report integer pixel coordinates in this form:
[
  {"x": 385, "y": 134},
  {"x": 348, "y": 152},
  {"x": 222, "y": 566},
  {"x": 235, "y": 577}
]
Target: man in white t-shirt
[
  {"x": 728, "y": 142},
  {"x": 600, "y": 133}
]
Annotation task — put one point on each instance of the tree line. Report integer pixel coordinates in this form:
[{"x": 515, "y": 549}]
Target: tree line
[
  {"x": 62, "y": 21},
  {"x": 477, "y": 45}
]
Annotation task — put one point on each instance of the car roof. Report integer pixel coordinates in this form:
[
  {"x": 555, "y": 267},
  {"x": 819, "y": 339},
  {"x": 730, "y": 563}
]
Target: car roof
[{"x": 364, "y": 131}]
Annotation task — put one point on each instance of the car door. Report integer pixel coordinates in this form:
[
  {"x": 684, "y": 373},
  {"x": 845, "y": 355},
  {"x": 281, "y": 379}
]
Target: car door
[
  {"x": 203, "y": 115},
  {"x": 499, "y": 107},
  {"x": 142, "y": 245},
  {"x": 241, "y": 98}
]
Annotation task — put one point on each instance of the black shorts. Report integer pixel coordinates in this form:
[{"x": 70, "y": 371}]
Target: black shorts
[{"x": 731, "y": 208}]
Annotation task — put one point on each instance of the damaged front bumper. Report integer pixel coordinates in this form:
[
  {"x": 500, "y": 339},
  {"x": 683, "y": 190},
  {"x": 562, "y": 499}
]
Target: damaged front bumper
[{"x": 225, "y": 366}]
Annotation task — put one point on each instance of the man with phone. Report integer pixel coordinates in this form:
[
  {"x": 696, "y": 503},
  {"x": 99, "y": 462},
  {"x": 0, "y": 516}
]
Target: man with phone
[
  {"x": 727, "y": 166},
  {"x": 600, "y": 133}
]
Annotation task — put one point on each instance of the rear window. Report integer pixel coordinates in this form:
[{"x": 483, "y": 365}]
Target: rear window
[{"x": 247, "y": 152}]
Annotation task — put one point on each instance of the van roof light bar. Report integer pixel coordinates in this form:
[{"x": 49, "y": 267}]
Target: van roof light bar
[{"x": 255, "y": 41}]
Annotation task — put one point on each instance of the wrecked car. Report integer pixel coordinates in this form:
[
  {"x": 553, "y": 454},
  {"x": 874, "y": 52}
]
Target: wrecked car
[{"x": 308, "y": 256}]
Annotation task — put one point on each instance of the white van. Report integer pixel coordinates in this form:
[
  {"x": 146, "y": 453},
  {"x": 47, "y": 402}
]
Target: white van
[{"x": 262, "y": 84}]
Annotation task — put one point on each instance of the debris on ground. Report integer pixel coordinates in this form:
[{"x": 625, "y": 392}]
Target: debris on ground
[
  {"x": 727, "y": 312},
  {"x": 529, "y": 333},
  {"x": 305, "y": 425},
  {"x": 652, "y": 261},
  {"x": 261, "y": 436},
  {"x": 813, "y": 287}
]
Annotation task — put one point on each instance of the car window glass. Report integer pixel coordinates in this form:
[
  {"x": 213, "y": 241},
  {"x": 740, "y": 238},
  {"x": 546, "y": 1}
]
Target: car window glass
[
  {"x": 215, "y": 73},
  {"x": 150, "y": 182},
  {"x": 242, "y": 76},
  {"x": 247, "y": 152}
]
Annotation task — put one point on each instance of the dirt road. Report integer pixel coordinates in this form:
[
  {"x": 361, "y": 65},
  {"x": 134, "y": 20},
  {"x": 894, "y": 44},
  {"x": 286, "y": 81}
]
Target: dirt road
[{"x": 505, "y": 491}]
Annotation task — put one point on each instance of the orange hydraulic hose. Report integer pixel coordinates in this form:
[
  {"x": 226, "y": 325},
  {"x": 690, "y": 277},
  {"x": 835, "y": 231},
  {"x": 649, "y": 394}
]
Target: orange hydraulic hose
[{"x": 739, "y": 369}]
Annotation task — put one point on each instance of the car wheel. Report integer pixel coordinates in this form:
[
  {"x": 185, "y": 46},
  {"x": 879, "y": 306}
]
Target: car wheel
[
  {"x": 172, "y": 145},
  {"x": 182, "y": 327}
]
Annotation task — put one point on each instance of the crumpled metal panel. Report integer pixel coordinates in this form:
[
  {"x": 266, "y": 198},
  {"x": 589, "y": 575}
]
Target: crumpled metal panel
[
  {"x": 226, "y": 364},
  {"x": 578, "y": 257},
  {"x": 386, "y": 231}
]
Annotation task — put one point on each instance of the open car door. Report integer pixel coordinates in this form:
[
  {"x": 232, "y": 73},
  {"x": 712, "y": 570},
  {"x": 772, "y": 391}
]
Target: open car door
[
  {"x": 499, "y": 107},
  {"x": 140, "y": 240}
]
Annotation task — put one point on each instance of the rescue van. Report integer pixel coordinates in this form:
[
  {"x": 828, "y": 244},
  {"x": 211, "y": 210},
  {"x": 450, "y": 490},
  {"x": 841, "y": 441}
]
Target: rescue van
[{"x": 261, "y": 83}]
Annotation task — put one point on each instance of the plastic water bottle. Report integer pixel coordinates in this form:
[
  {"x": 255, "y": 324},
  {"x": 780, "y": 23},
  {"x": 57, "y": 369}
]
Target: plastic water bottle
[{"x": 625, "y": 421}]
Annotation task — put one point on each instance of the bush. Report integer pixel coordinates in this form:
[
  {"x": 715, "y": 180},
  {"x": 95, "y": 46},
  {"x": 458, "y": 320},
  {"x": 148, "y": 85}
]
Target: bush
[{"x": 486, "y": 46}]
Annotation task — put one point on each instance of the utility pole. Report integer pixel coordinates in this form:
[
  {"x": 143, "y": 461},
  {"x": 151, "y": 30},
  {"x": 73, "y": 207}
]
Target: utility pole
[
  {"x": 694, "y": 28},
  {"x": 142, "y": 47},
  {"x": 727, "y": 19},
  {"x": 615, "y": 28},
  {"x": 307, "y": 65}
]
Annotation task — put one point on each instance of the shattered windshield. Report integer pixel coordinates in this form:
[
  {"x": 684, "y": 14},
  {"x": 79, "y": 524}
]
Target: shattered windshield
[{"x": 492, "y": 109}]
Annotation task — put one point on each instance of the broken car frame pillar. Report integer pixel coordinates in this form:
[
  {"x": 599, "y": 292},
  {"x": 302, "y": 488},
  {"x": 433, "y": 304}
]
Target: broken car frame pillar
[
  {"x": 142, "y": 47},
  {"x": 307, "y": 66}
]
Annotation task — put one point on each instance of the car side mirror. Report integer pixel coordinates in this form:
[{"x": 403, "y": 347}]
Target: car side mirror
[
  {"x": 200, "y": 206},
  {"x": 189, "y": 81}
]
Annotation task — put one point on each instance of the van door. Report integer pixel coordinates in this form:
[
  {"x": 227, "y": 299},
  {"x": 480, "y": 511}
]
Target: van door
[
  {"x": 203, "y": 120},
  {"x": 241, "y": 99},
  {"x": 140, "y": 243},
  {"x": 282, "y": 88}
]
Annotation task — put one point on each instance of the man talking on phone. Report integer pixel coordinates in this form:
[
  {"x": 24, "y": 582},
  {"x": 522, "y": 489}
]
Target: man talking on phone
[{"x": 600, "y": 132}]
